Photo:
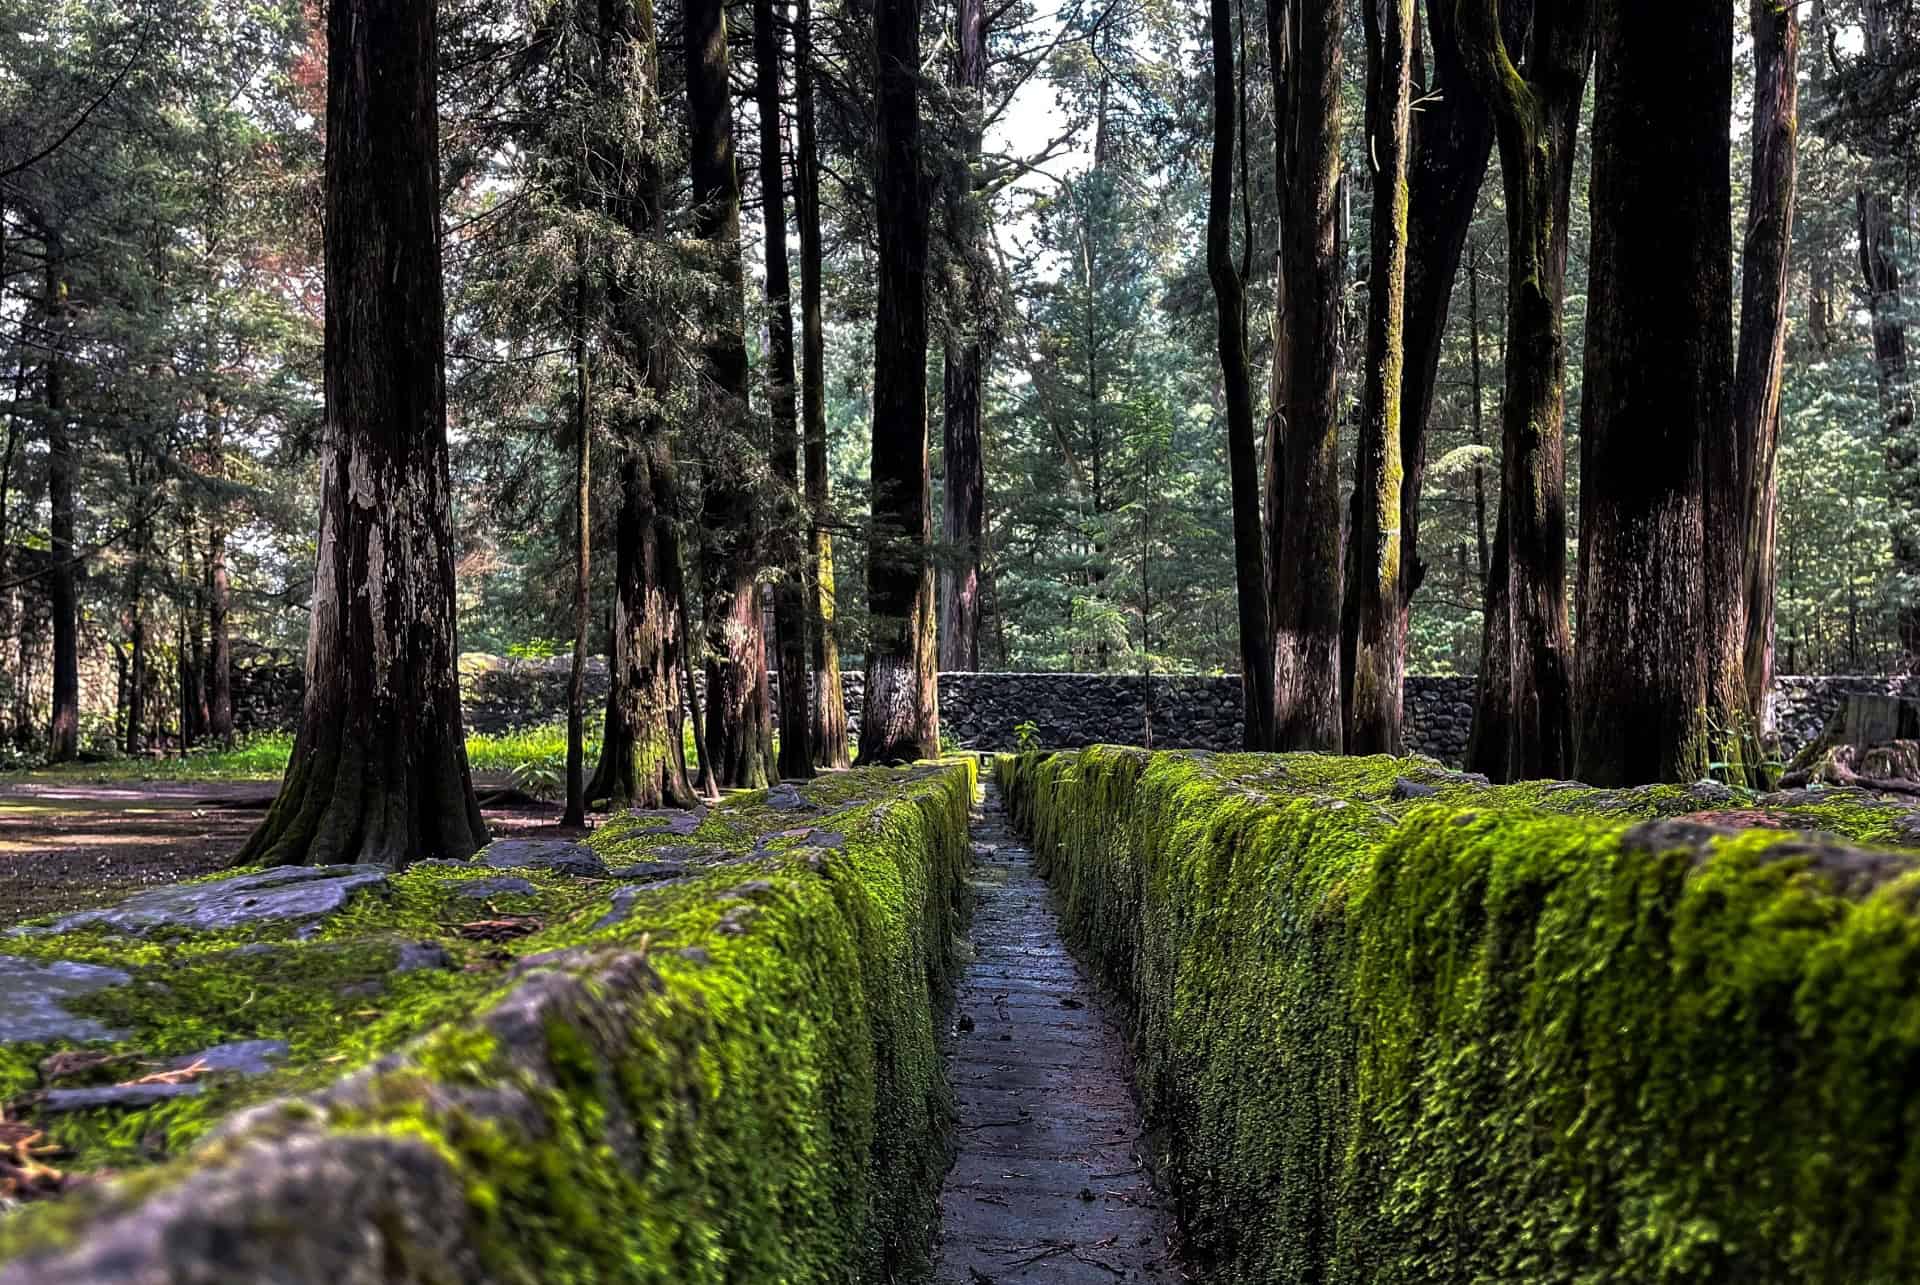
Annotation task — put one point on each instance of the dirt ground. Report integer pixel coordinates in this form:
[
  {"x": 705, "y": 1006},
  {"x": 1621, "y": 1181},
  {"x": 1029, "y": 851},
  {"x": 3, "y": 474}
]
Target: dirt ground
[{"x": 73, "y": 846}]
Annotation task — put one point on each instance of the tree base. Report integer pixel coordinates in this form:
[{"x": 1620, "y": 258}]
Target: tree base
[
  {"x": 1872, "y": 742},
  {"x": 350, "y": 799}
]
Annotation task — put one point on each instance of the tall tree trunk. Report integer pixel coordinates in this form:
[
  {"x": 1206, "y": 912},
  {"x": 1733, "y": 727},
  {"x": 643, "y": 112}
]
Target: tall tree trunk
[
  {"x": 1761, "y": 361},
  {"x": 189, "y": 637},
  {"x": 642, "y": 749},
  {"x": 900, "y": 716},
  {"x": 1880, "y": 270},
  {"x": 1303, "y": 467},
  {"x": 219, "y": 586},
  {"x": 1535, "y": 120},
  {"x": 1492, "y": 735},
  {"x": 1376, "y": 663},
  {"x": 1452, "y": 143},
  {"x": 790, "y": 593},
  {"x": 704, "y": 785},
  {"x": 1658, "y": 482},
  {"x": 970, "y": 328},
  {"x": 829, "y": 704},
  {"x": 1482, "y": 563},
  {"x": 63, "y": 738},
  {"x": 1820, "y": 280},
  {"x": 13, "y": 679},
  {"x": 379, "y": 767},
  {"x": 135, "y": 732},
  {"x": 1230, "y": 307},
  {"x": 739, "y": 718},
  {"x": 192, "y": 675},
  {"x": 576, "y": 813}
]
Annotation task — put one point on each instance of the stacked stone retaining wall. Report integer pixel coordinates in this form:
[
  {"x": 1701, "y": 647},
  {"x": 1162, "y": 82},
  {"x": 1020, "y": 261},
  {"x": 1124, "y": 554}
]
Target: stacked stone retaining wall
[{"x": 986, "y": 710}]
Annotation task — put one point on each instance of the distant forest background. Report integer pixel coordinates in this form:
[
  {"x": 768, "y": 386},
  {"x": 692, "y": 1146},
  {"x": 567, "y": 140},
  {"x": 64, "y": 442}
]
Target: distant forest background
[{"x": 160, "y": 168}]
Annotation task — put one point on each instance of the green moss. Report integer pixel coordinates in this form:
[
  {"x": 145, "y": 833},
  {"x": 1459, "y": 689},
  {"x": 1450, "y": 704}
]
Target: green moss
[
  {"x": 736, "y": 1081},
  {"x": 1499, "y": 1034}
]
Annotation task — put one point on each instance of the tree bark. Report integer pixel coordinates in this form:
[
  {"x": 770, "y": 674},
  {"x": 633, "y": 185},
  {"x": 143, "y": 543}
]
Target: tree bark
[
  {"x": 1536, "y": 117},
  {"x": 1659, "y": 490},
  {"x": 900, "y": 716},
  {"x": 13, "y": 681},
  {"x": 1492, "y": 735},
  {"x": 739, "y": 718},
  {"x": 576, "y": 812},
  {"x": 1880, "y": 271},
  {"x": 789, "y": 593},
  {"x": 63, "y": 737},
  {"x": 219, "y": 589},
  {"x": 1452, "y": 143},
  {"x": 1302, "y": 447},
  {"x": 642, "y": 749},
  {"x": 829, "y": 704},
  {"x": 642, "y": 752},
  {"x": 135, "y": 732},
  {"x": 1230, "y": 306},
  {"x": 379, "y": 767},
  {"x": 1482, "y": 562},
  {"x": 1375, "y": 665},
  {"x": 970, "y": 328},
  {"x": 1761, "y": 361}
]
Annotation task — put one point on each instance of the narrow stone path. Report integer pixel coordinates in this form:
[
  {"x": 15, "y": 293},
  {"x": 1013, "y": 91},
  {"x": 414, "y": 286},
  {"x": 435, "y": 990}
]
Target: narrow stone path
[{"x": 1049, "y": 1185}]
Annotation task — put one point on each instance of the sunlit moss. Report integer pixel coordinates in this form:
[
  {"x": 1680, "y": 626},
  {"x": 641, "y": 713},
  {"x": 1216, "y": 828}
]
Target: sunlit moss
[
  {"x": 738, "y": 1080},
  {"x": 1499, "y": 1033}
]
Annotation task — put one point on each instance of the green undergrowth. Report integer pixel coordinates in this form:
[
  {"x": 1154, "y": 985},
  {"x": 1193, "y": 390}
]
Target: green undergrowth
[
  {"x": 263, "y": 757},
  {"x": 729, "y": 1077},
  {"x": 1399, "y": 1026}
]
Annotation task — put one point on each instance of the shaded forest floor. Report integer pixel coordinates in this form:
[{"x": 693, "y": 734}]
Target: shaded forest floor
[{"x": 70, "y": 845}]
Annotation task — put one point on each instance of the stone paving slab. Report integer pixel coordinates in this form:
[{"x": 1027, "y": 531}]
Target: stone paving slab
[{"x": 1048, "y": 1185}]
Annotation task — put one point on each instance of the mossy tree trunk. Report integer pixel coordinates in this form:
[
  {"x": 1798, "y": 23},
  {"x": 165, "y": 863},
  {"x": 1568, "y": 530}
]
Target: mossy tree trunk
[
  {"x": 1375, "y": 665},
  {"x": 1452, "y": 141},
  {"x": 829, "y": 726},
  {"x": 1302, "y": 446},
  {"x": 1659, "y": 497},
  {"x": 900, "y": 716},
  {"x": 642, "y": 754},
  {"x": 739, "y": 718},
  {"x": 1536, "y": 114},
  {"x": 970, "y": 326},
  {"x": 790, "y": 608},
  {"x": 1230, "y": 310},
  {"x": 642, "y": 751},
  {"x": 379, "y": 767},
  {"x": 1761, "y": 361}
]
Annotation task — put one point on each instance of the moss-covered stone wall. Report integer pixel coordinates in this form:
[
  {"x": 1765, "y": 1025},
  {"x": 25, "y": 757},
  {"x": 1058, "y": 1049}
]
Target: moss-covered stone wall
[
  {"x": 1396, "y": 1026},
  {"x": 708, "y": 1058}
]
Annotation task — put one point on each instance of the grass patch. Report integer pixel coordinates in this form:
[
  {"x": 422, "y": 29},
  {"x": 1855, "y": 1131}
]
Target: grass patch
[{"x": 263, "y": 757}]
